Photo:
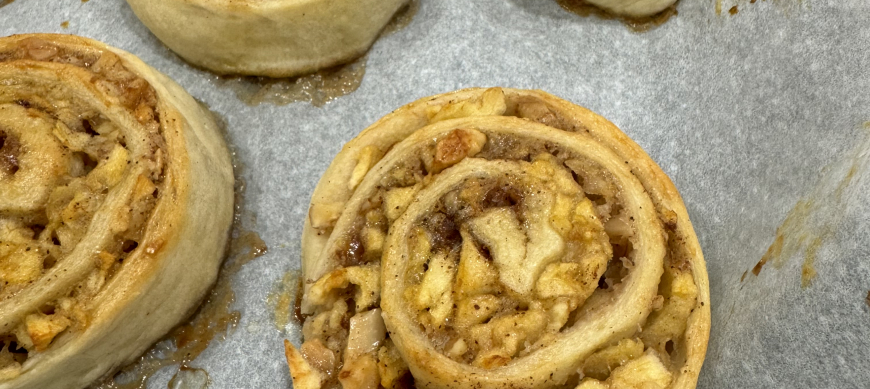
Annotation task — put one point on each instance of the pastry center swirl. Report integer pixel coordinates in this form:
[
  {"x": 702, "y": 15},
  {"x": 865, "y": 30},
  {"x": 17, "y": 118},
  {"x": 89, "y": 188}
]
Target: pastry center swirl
[{"x": 503, "y": 259}]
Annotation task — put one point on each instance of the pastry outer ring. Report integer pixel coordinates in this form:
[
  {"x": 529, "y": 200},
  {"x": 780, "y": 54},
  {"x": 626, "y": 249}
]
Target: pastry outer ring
[
  {"x": 274, "y": 38},
  {"x": 401, "y": 123},
  {"x": 142, "y": 303}
]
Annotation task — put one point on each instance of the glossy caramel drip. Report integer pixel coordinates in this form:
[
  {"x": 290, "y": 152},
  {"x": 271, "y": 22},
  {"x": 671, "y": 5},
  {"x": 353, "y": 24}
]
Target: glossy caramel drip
[
  {"x": 284, "y": 299},
  {"x": 317, "y": 88}
]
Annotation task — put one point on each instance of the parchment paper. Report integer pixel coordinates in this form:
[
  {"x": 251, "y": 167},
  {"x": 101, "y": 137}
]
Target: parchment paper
[{"x": 743, "y": 111}]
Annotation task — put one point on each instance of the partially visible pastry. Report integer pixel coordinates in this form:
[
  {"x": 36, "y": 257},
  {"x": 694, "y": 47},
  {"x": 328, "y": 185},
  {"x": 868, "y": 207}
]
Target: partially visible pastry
[
  {"x": 116, "y": 198},
  {"x": 274, "y": 38},
  {"x": 499, "y": 238},
  {"x": 631, "y": 9}
]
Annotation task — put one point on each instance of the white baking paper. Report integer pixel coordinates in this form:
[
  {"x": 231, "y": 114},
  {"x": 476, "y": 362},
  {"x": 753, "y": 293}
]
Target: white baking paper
[{"x": 748, "y": 113}]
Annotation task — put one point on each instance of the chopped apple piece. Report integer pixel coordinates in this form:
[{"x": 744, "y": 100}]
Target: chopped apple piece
[
  {"x": 366, "y": 333},
  {"x": 360, "y": 373},
  {"x": 600, "y": 364},
  {"x": 304, "y": 376},
  {"x": 366, "y": 159},
  {"x": 397, "y": 200},
  {"x": 43, "y": 328},
  {"x": 646, "y": 372},
  {"x": 435, "y": 292},
  {"x": 476, "y": 310},
  {"x": 680, "y": 297},
  {"x": 490, "y": 103},
  {"x": 589, "y": 383},
  {"x": 319, "y": 356},
  {"x": 324, "y": 215},
  {"x": 367, "y": 278},
  {"x": 475, "y": 275},
  {"x": 500, "y": 230},
  {"x": 455, "y": 147}
]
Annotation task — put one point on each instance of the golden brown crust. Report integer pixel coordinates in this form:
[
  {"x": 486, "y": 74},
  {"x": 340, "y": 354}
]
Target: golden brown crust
[
  {"x": 147, "y": 149},
  {"x": 276, "y": 38},
  {"x": 530, "y": 136}
]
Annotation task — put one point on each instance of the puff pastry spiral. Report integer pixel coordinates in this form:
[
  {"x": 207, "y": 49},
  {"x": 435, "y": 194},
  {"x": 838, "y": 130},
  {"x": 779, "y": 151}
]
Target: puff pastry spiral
[
  {"x": 499, "y": 238},
  {"x": 274, "y": 38},
  {"x": 116, "y": 194}
]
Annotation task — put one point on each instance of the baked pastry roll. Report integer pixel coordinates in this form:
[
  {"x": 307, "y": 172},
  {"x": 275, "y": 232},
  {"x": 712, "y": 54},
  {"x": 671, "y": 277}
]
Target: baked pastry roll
[
  {"x": 499, "y": 238},
  {"x": 116, "y": 198},
  {"x": 274, "y": 38}
]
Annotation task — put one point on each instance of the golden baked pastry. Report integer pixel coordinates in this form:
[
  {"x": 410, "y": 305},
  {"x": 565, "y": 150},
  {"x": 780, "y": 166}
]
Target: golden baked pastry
[
  {"x": 499, "y": 238},
  {"x": 632, "y": 9},
  {"x": 275, "y": 38},
  {"x": 116, "y": 198}
]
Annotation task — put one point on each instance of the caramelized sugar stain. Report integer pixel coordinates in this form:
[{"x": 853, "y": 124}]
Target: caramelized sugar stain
[
  {"x": 5, "y": 2},
  {"x": 582, "y": 8},
  {"x": 283, "y": 299},
  {"x": 214, "y": 319},
  {"x": 784, "y": 5},
  {"x": 814, "y": 219},
  {"x": 774, "y": 251},
  {"x": 317, "y": 88}
]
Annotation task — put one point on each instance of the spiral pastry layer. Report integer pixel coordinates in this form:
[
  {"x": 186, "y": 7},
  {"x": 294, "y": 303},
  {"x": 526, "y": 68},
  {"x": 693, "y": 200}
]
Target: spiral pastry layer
[
  {"x": 499, "y": 238},
  {"x": 274, "y": 38},
  {"x": 116, "y": 194}
]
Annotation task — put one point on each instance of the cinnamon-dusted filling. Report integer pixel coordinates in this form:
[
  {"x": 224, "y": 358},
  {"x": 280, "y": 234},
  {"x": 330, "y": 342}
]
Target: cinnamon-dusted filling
[
  {"x": 527, "y": 252},
  {"x": 9, "y": 148},
  {"x": 60, "y": 159}
]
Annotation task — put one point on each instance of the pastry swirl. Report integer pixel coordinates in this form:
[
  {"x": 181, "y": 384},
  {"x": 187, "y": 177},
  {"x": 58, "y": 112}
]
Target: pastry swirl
[
  {"x": 499, "y": 238},
  {"x": 274, "y": 38},
  {"x": 102, "y": 246}
]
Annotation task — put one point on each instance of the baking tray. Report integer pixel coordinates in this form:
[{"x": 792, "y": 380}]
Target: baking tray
[{"x": 755, "y": 109}]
